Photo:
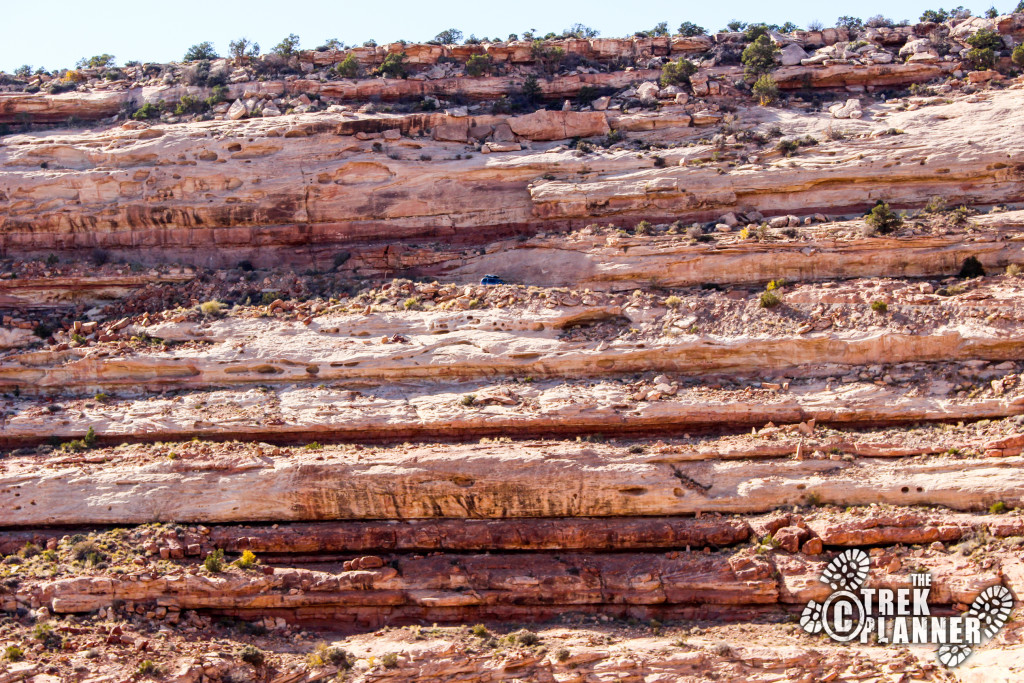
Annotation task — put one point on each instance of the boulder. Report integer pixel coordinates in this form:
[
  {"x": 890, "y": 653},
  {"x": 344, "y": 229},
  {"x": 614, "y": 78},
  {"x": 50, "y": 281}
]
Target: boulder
[
  {"x": 648, "y": 92},
  {"x": 452, "y": 131},
  {"x": 790, "y": 538},
  {"x": 850, "y": 110},
  {"x": 237, "y": 110},
  {"x": 489, "y": 147},
  {"x": 913, "y": 47},
  {"x": 503, "y": 133},
  {"x": 706, "y": 117},
  {"x": 480, "y": 132},
  {"x": 792, "y": 55},
  {"x": 559, "y": 125}
]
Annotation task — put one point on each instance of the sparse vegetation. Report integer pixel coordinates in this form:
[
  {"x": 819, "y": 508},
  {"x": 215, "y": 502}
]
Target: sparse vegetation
[
  {"x": 971, "y": 268},
  {"x": 479, "y": 65},
  {"x": 204, "y": 50},
  {"x": 79, "y": 445},
  {"x": 251, "y": 654},
  {"x": 689, "y": 29},
  {"x": 879, "y": 306},
  {"x": 769, "y": 299},
  {"x": 760, "y": 57},
  {"x": 247, "y": 560},
  {"x": 677, "y": 72},
  {"x": 211, "y": 308},
  {"x": 288, "y": 46},
  {"x": 214, "y": 562},
  {"x": 348, "y": 67},
  {"x": 242, "y": 48},
  {"x": 882, "y": 219},
  {"x": 148, "y": 667},
  {"x": 451, "y": 36},
  {"x": 766, "y": 89},
  {"x": 394, "y": 66}
]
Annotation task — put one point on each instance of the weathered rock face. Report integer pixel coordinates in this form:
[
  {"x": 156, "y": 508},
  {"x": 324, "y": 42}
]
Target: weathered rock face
[
  {"x": 416, "y": 351},
  {"x": 272, "y": 188},
  {"x": 483, "y": 482}
]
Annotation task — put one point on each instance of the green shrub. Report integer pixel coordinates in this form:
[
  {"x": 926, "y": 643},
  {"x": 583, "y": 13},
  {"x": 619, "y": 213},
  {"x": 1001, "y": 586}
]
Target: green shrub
[
  {"x": 251, "y": 654},
  {"x": 935, "y": 16},
  {"x": 45, "y": 634},
  {"x": 760, "y": 57},
  {"x": 879, "y": 306},
  {"x": 348, "y": 67},
  {"x": 769, "y": 299},
  {"x": 468, "y": 399},
  {"x": 95, "y": 62},
  {"x": 288, "y": 46},
  {"x": 754, "y": 31},
  {"x": 212, "y": 307},
  {"x": 526, "y": 638},
  {"x": 852, "y": 24},
  {"x": 883, "y": 219},
  {"x": 550, "y": 57},
  {"x": 689, "y": 29},
  {"x": 148, "y": 111},
  {"x": 204, "y": 50},
  {"x": 394, "y": 66},
  {"x": 13, "y": 653},
  {"x": 673, "y": 301},
  {"x": 981, "y": 59},
  {"x": 214, "y": 561},
  {"x": 148, "y": 667},
  {"x": 562, "y": 654},
  {"x": 531, "y": 89},
  {"x": 971, "y": 267},
  {"x": 1018, "y": 55},
  {"x": 985, "y": 39},
  {"x": 190, "y": 105},
  {"x": 451, "y": 36},
  {"x": 219, "y": 94},
  {"x": 766, "y": 89},
  {"x": 677, "y": 72},
  {"x": 997, "y": 508},
  {"x": 243, "y": 47},
  {"x": 480, "y": 631},
  {"x": 479, "y": 65},
  {"x": 79, "y": 445},
  {"x": 389, "y": 660}
]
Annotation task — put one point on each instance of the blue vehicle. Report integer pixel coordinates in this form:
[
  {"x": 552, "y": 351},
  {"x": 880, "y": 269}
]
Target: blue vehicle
[{"x": 491, "y": 280}]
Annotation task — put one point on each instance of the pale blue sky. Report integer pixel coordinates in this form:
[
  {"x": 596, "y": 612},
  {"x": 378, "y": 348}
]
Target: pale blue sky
[{"x": 57, "y": 33}]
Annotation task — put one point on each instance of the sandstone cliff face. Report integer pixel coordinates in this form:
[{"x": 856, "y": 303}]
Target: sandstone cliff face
[
  {"x": 284, "y": 183},
  {"x": 303, "y": 383}
]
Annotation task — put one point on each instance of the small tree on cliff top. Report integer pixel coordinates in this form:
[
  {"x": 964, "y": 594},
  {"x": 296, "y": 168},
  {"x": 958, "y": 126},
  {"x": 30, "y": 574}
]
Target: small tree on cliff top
[
  {"x": 760, "y": 57},
  {"x": 203, "y": 50},
  {"x": 677, "y": 72}
]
